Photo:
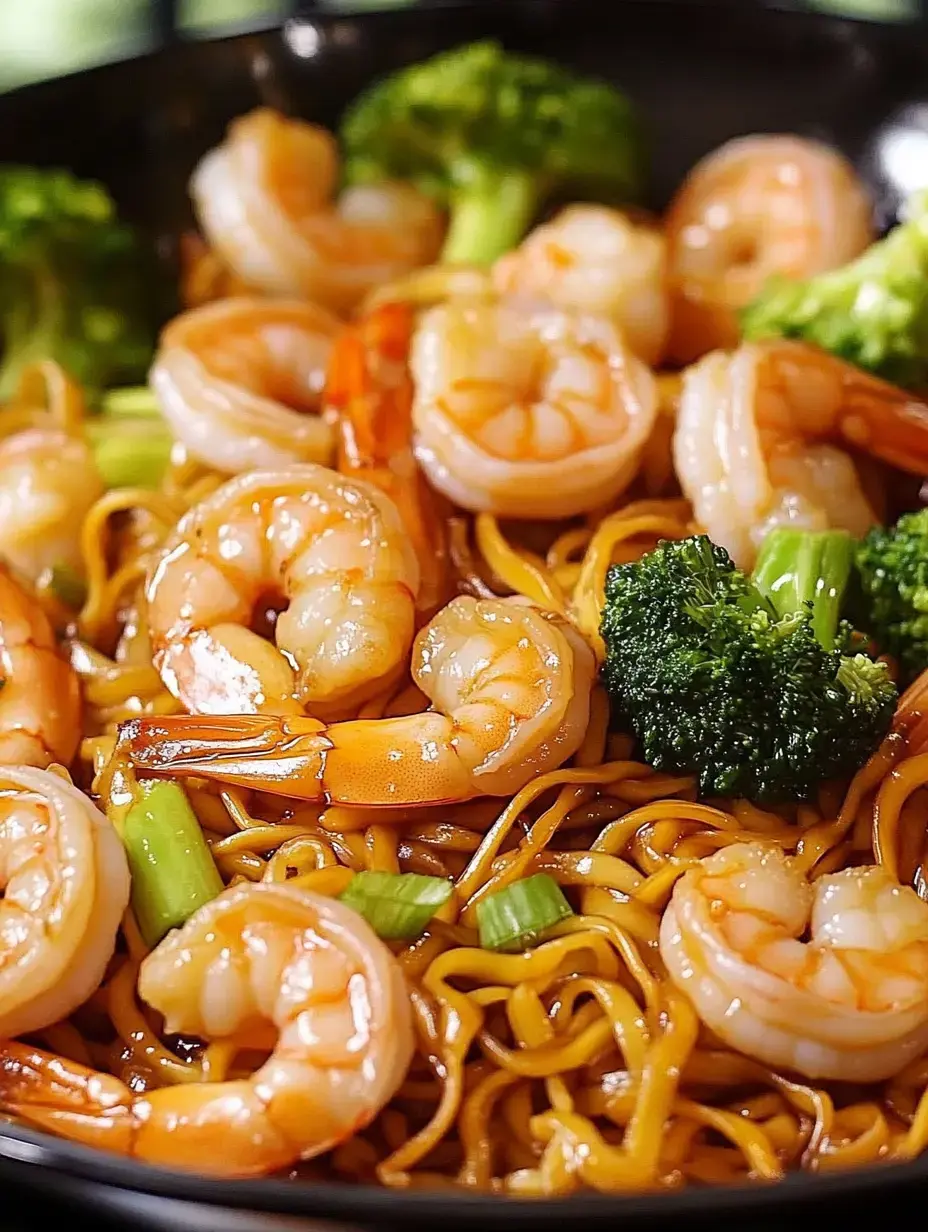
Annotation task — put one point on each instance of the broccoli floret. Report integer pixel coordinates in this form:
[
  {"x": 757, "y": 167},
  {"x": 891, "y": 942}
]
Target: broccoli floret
[
  {"x": 751, "y": 684},
  {"x": 493, "y": 135},
  {"x": 74, "y": 286},
  {"x": 872, "y": 312},
  {"x": 892, "y": 568}
]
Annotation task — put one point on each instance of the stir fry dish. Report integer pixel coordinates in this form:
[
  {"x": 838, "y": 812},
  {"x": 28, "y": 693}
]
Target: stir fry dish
[{"x": 464, "y": 710}]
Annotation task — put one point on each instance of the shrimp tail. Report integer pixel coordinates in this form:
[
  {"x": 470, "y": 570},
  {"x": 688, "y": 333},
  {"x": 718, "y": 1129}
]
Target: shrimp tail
[
  {"x": 66, "y": 1098},
  {"x": 281, "y": 755},
  {"x": 369, "y": 394}
]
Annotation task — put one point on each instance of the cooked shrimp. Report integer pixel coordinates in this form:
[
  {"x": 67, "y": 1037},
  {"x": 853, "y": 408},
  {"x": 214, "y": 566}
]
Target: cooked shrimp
[
  {"x": 256, "y": 956},
  {"x": 850, "y": 1003},
  {"x": 332, "y": 551},
  {"x": 590, "y": 258},
  {"x": 264, "y": 201},
  {"x": 240, "y": 383},
  {"x": 48, "y": 483},
  {"x": 756, "y": 207},
  {"x": 40, "y": 703},
  {"x": 762, "y": 438},
  {"x": 510, "y": 692},
  {"x": 65, "y": 887},
  {"x": 541, "y": 415},
  {"x": 369, "y": 392}
]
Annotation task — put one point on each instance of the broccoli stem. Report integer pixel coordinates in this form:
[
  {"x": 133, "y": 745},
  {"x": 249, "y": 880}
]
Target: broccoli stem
[
  {"x": 489, "y": 216},
  {"x": 798, "y": 567}
]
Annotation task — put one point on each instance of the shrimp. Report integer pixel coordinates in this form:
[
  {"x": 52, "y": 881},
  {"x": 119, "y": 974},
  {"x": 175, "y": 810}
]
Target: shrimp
[
  {"x": 40, "y": 703},
  {"x": 590, "y": 258},
  {"x": 510, "y": 692},
  {"x": 369, "y": 392},
  {"x": 48, "y": 484},
  {"x": 762, "y": 438},
  {"x": 240, "y": 383},
  {"x": 757, "y": 206},
  {"x": 850, "y": 1003},
  {"x": 65, "y": 887},
  {"x": 255, "y": 956},
  {"x": 541, "y": 415},
  {"x": 264, "y": 201},
  {"x": 333, "y": 551}
]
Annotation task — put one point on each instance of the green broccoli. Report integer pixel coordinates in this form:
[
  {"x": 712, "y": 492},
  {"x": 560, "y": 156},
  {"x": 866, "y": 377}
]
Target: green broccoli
[
  {"x": 892, "y": 570},
  {"x": 492, "y": 136},
  {"x": 872, "y": 312},
  {"x": 73, "y": 282},
  {"x": 752, "y": 684}
]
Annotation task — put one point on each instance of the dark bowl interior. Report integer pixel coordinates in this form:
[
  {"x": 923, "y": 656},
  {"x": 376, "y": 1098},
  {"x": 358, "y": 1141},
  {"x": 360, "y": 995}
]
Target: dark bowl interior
[{"x": 701, "y": 74}]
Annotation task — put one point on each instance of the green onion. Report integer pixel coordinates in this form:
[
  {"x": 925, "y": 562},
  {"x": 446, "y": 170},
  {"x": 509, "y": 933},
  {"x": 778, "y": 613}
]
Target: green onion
[
  {"x": 67, "y": 586},
  {"x": 170, "y": 862},
  {"x": 396, "y": 905},
  {"x": 130, "y": 452},
  {"x": 513, "y": 919},
  {"x": 134, "y": 400}
]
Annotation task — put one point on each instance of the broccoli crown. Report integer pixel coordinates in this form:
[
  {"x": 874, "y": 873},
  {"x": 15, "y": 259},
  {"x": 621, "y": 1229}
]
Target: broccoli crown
[
  {"x": 892, "y": 569},
  {"x": 73, "y": 282},
  {"x": 714, "y": 683},
  {"x": 442, "y": 121},
  {"x": 872, "y": 312},
  {"x": 480, "y": 124}
]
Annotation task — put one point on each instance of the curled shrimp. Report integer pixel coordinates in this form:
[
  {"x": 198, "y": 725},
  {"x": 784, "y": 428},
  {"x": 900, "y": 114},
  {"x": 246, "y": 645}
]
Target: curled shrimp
[
  {"x": 264, "y": 201},
  {"x": 257, "y": 956},
  {"x": 369, "y": 393},
  {"x": 240, "y": 382},
  {"x": 756, "y": 207},
  {"x": 590, "y": 258},
  {"x": 48, "y": 484},
  {"x": 763, "y": 435},
  {"x": 540, "y": 415},
  {"x": 40, "y": 703},
  {"x": 849, "y": 1003},
  {"x": 65, "y": 887},
  {"x": 329, "y": 555},
  {"x": 509, "y": 687}
]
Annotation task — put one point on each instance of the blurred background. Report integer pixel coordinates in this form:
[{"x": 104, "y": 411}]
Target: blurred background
[{"x": 45, "y": 38}]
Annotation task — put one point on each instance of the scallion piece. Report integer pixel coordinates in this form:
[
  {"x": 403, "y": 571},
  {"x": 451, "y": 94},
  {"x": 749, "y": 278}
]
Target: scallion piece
[
  {"x": 514, "y": 919},
  {"x": 170, "y": 862},
  {"x": 130, "y": 451},
  {"x": 133, "y": 400},
  {"x": 67, "y": 586},
  {"x": 397, "y": 906}
]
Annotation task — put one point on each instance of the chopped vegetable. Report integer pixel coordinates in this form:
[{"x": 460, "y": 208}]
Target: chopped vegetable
[
  {"x": 872, "y": 312},
  {"x": 74, "y": 282},
  {"x": 759, "y": 698},
  {"x": 492, "y": 136},
  {"x": 892, "y": 565},
  {"x": 172, "y": 868},
  {"x": 515, "y": 918},
  {"x": 68, "y": 587},
  {"x": 398, "y": 906}
]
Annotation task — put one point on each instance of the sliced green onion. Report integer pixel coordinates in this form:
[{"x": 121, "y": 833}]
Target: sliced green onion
[
  {"x": 396, "y": 905},
  {"x": 514, "y": 918},
  {"x": 169, "y": 859},
  {"x": 135, "y": 400},
  {"x": 130, "y": 452},
  {"x": 67, "y": 586}
]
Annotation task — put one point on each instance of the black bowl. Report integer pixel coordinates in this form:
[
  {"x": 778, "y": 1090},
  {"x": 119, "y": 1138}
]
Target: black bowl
[{"x": 701, "y": 74}]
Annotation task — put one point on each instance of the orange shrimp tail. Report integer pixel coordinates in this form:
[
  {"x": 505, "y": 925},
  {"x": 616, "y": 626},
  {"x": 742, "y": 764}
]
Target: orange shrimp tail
[
  {"x": 282, "y": 755},
  {"x": 67, "y": 1099},
  {"x": 369, "y": 393}
]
